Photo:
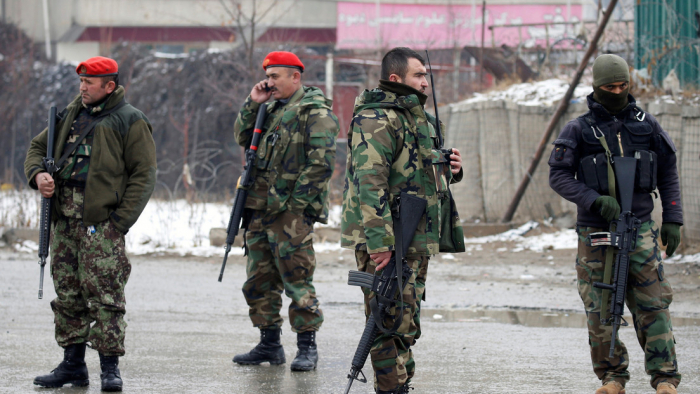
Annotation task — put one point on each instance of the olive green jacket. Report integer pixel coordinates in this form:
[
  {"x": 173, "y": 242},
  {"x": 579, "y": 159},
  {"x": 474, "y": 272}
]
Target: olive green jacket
[{"x": 122, "y": 171}]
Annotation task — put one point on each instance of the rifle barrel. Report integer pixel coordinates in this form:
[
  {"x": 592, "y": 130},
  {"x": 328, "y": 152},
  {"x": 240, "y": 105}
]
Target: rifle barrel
[{"x": 244, "y": 182}]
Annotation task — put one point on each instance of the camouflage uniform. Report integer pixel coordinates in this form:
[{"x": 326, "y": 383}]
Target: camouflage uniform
[
  {"x": 296, "y": 156},
  {"x": 101, "y": 190},
  {"x": 648, "y": 298},
  {"x": 392, "y": 148}
]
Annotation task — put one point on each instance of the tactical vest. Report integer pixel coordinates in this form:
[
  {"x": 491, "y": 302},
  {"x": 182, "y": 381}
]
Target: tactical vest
[{"x": 629, "y": 137}]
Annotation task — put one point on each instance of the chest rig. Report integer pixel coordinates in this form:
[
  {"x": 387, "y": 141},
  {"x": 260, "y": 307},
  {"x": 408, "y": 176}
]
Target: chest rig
[{"x": 631, "y": 136}]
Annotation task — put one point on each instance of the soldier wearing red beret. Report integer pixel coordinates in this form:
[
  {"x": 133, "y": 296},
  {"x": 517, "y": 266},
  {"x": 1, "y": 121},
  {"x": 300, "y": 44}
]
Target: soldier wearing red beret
[
  {"x": 107, "y": 172},
  {"x": 296, "y": 156}
]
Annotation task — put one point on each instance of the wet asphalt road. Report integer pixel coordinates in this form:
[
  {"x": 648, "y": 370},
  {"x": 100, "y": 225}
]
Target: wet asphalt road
[{"x": 184, "y": 328}]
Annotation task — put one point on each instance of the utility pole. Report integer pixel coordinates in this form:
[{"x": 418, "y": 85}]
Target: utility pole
[
  {"x": 329, "y": 75},
  {"x": 561, "y": 109},
  {"x": 483, "y": 36},
  {"x": 47, "y": 31}
]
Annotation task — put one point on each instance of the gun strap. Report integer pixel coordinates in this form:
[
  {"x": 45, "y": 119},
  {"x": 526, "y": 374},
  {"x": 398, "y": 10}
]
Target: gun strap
[
  {"x": 609, "y": 250},
  {"x": 68, "y": 151}
]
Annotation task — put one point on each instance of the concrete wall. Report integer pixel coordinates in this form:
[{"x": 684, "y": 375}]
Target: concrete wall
[
  {"x": 76, "y": 51},
  {"x": 497, "y": 140},
  {"x": 28, "y": 14}
]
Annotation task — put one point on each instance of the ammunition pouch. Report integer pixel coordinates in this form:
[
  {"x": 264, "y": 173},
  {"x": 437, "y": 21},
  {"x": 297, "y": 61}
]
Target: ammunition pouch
[
  {"x": 265, "y": 150},
  {"x": 645, "y": 178},
  {"x": 451, "y": 232},
  {"x": 593, "y": 171}
]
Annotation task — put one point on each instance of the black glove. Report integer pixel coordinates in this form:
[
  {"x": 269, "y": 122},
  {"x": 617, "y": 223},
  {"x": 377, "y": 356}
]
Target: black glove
[
  {"x": 670, "y": 237},
  {"x": 608, "y": 208}
]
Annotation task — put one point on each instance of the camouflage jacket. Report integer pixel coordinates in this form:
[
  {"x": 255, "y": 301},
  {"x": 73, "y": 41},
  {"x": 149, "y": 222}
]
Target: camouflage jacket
[
  {"x": 392, "y": 149},
  {"x": 122, "y": 172},
  {"x": 296, "y": 154}
]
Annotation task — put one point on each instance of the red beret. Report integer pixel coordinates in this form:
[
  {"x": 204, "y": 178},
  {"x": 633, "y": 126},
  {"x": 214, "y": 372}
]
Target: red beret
[
  {"x": 97, "y": 66},
  {"x": 282, "y": 59}
]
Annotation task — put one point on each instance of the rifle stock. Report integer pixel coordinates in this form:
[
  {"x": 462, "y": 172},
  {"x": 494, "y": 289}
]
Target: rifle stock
[
  {"x": 389, "y": 284},
  {"x": 244, "y": 183},
  {"x": 46, "y": 203}
]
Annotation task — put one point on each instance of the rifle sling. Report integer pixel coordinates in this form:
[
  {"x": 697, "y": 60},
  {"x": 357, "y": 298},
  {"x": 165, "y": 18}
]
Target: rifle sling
[
  {"x": 85, "y": 132},
  {"x": 609, "y": 250}
]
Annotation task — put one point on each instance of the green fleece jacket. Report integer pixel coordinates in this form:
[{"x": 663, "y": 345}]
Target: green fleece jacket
[{"x": 122, "y": 171}]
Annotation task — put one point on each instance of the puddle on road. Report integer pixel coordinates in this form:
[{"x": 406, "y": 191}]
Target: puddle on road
[{"x": 529, "y": 318}]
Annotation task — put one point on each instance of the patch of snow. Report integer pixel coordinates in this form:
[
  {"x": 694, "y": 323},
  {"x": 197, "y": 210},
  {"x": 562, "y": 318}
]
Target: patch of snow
[
  {"x": 510, "y": 235},
  {"x": 565, "y": 239},
  {"x": 681, "y": 259},
  {"x": 539, "y": 93},
  {"x": 164, "y": 227},
  {"x": 164, "y": 55}
]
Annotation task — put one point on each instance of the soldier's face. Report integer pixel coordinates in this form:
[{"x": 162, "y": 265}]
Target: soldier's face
[
  {"x": 415, "y": 77},
  {"x": 616, "y": 88},
  {"x": 283, "y": 81},
  {"x": 92, "y": 90}
]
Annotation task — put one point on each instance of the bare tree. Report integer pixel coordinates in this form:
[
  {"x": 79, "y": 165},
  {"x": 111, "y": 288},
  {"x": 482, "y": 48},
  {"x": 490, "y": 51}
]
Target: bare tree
[{"x": 247, "y": 22}]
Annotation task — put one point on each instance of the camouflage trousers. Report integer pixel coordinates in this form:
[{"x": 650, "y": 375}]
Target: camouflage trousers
[
  {"x": 648, "y": 297},
  {"x": 89, "y": 273},
  {"x": 281, "y": 258},
  {"x": 392, "y": 357}
]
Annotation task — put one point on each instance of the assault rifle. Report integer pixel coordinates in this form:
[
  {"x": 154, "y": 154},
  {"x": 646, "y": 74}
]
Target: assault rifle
[
  {"x": 244, "y": 183},
  {"x": 46, "y": 203},
  {"x": 387, "y": 285},
  {"x": 623, "y": 237}
]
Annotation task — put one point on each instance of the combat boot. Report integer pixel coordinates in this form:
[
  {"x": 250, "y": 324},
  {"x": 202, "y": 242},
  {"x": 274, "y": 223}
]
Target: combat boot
[
  {"x": 405, "y": 388},
  {"x": 666, "y": 388},
  {"x": 307, "y": 355},
  {"x": 71, "y": 370},
  {"x": 111, "y": 378},
  {"x": 612, "y": 387},
  {"x": 269, "y": 349}
]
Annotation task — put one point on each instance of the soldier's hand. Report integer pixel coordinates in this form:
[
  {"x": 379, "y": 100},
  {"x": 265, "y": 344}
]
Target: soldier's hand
[
  {"x": 456, "y": 161},
  {"x": 381, "y": 258},
  {"x": 259, "y": 94},
  {"x": 45, "y": 184},
  {"x": 607, "y": 207},
  {"x": 670, "y": 237}
]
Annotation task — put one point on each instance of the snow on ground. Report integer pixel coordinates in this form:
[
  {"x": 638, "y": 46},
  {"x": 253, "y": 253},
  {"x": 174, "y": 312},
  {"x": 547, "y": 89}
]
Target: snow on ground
[
  {"x": 546, "y": 93},
  {"x": 564, "y": 239},
  {"x": 180, "y": 228}
]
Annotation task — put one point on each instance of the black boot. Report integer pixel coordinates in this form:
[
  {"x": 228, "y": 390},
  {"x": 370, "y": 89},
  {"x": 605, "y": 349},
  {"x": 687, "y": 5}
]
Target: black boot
[
  {"x": 307, "y": 355},
  {"x": 269, "y": 349},
  {"x": 111, "y": 378},
  {"x": 71, "y": 370},
  {"x": 405, "y": 388}
]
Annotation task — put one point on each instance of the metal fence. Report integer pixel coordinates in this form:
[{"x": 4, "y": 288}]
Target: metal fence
[{"x": 497, "y": 140}]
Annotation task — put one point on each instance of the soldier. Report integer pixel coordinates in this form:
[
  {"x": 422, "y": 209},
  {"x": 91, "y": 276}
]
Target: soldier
[
  {"x": 101, "y": 190},
  {"x": 578, "y": 172},
  {"x": 296, "y": 156},
  {"x": 393, "y": 148}
]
